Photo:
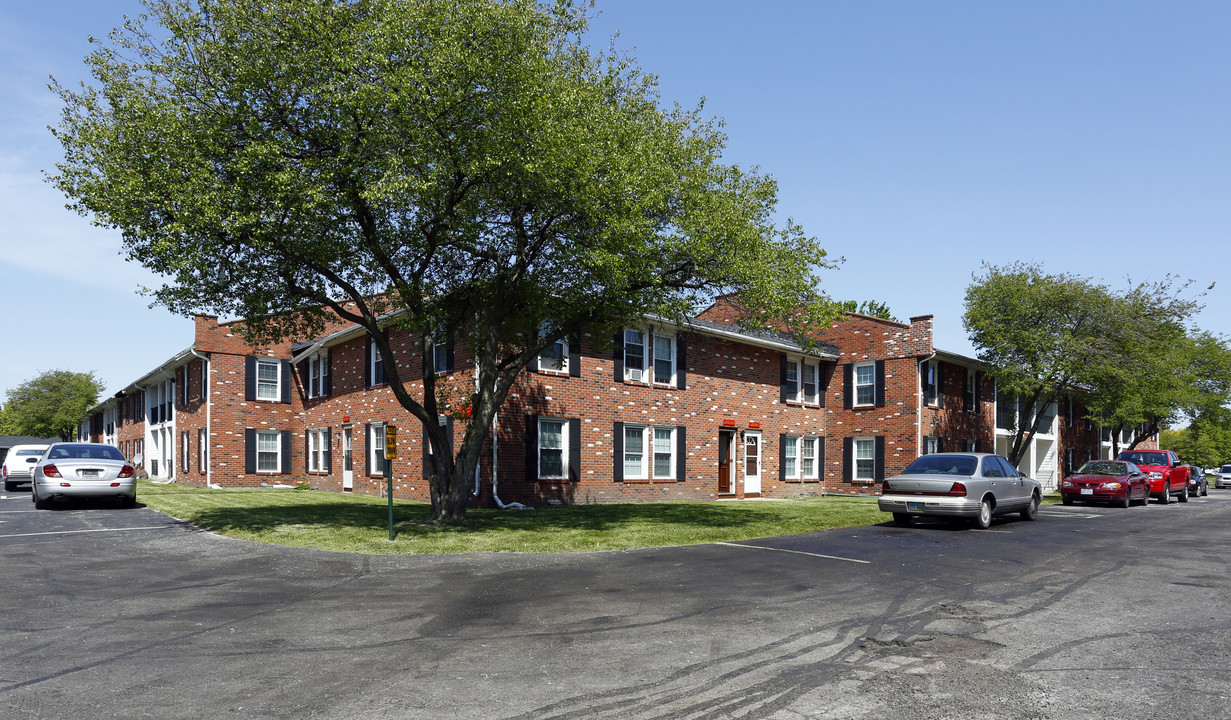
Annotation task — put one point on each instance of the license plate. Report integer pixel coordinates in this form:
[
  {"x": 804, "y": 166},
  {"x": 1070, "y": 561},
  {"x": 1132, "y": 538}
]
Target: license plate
[
  {"x": 90, "y": 473},
  {"x": 1087, "y": 491},
  {"x": 914, "y": 507}
]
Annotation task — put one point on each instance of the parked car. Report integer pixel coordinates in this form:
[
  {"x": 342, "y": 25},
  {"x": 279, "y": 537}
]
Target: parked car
[
  {"x": 1222, "y": 478},
  {"x": 18, "y": 465},
  {"x": 1114, "y": 482},
  {"x": 79, "y": 470},
  {"x": 974, "y": 486},
  {"x": 1198, "y": 484},
  {"x": 1168, "y": 474}
]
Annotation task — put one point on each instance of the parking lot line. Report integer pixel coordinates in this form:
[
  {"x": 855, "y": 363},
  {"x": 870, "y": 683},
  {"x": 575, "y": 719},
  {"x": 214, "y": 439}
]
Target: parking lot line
[
  {"x": 96, "y": 530},
  {"x": 797, "y": 552}
]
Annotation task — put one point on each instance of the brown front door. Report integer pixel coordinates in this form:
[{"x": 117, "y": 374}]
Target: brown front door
[{"x": 726, "y": 443}]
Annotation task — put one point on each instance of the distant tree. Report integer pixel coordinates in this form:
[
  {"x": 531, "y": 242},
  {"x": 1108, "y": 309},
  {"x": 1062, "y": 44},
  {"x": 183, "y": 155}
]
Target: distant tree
[
  {"x": 1205, "y": 442},
  {"x": 452, "y": 167},
  {"x": 872, "y": 308},
  {"x": 1044, "y": 335},
  {"x": 51, "y": 404}
]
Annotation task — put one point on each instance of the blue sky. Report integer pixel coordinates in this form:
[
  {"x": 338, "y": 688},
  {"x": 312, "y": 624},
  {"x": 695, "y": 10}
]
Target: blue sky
[{"x": 916, "y": 140}]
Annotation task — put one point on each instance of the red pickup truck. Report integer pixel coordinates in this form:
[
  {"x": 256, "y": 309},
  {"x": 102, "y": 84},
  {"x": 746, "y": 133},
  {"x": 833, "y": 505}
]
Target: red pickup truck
[{"x": 1168, "y": 474}]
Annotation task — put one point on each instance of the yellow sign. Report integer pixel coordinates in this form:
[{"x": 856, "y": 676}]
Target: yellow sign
[{"x": 391, "y": 442}]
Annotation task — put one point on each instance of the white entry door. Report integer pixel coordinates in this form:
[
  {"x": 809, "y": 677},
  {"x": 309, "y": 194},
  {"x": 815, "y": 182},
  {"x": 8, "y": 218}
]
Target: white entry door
[
  {"x": 348, "y": 465},
  {"x": 752, "y": 462}
]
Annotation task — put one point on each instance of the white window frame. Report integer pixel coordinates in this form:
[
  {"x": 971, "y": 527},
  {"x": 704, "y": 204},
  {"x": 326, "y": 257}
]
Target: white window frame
[
  {"x": 266, "y": 435},
  {"x": 864, "y": 452},
  {"x": 670, "y": 358},
  {"x": 815, "y": 367},
  {"x": 547, "y": 363},
  {"x": 857, "y": 385},
  {"x": 316, "y": 438},
  {"x": 646, "y": 467},
  {"x": 563, "y": 449},
  {"x": 185, "y": 454},
  {"x": 972, "y": 396},
  {"x": 265, "y": 383},
  {"x": 642, "y": 358},
  {"x": 807, "y": 454},
  {"x": 376, "y": 442},
  {"x": 316, "y": 374},
  {"x": 794, "y": 381},
  {"x": 440, "y": 355},
  {"x": 931, "y": 368},
  {"x": 202, "y": 450},
  {"x": 791, "y": 456}
]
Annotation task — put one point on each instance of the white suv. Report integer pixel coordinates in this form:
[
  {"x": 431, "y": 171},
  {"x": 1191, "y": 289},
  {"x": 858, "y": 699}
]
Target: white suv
[
  {"x": 18, "y": 465},
  {"x": 1222, "y": 478}
]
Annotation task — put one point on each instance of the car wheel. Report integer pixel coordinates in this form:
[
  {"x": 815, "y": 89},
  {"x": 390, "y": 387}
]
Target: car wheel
[
  {"x": 9, "y": 486},
  {"x": 1031, "y": 510},
  {"x": 1128, "y": 498},
  {"x": 1184, "y": 494},
  {"x": 40, "y": 503},
  {"x": 1066, "y": 500},
  {"x": 1165, "y": 497},
  {"x": 128, "y": 501},
  {"x": 902, "y": 519},
  {"x": 984, "y": 519},
  {"x": 1205, "y": 491}
]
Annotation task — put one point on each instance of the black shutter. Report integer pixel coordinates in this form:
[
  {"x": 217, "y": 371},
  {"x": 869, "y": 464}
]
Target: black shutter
[
  {"x": 367, "y": 449},
  {"x": 250, "y": 451},
  {"x": 880, "y": 383},
  {"x": 307, "y": 452},
  {"x": 782, "y": 458},
  {"x": 823, "y": 373},
  {"x": 327, "y": 373},
  {"x": 848, "y": 451},
  {"x": 940, "y": 445},
  {"x": 681, "y": 358},
  {"x": 250, "y": 379},
  {"x": 532, "y": 448},
  {"x": 574, "y": 356},
  {"x": 574, "y": 450},
  {"x": 782, "y": 389},
  {"x": 618, "y": 356},
  {"x": 820, "y": 459},
  {"x": 878, "y": 471},
  {"x": 328, "y": 449},
  {"x": 285, "y": 377},
  {"x": 285, "y": 447},
  {"x": 848, "y": 385},
  {"x": 617, "y": 444},
  {"x": 681, "y": 453}
]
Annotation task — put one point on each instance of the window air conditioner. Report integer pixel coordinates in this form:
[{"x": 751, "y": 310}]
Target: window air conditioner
[{"x": 635, "y": 376}]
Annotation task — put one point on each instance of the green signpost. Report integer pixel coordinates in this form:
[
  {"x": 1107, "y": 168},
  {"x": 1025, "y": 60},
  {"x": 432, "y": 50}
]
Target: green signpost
[{"x": 391, "y": 453}]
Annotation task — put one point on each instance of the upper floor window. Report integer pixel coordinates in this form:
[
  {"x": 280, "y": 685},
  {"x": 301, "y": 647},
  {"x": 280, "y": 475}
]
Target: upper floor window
[
  {"x": 971, "y": 394},
  {"x": 634, "y": 355},
  {"x": 267, "y": 380},
  {"x": 812, "y": 387},
  {"x": 554, "y": 357},
  {"x": 801, "y": 381},
  {"x": 865, "y": 383},
  {"x": 318, "y": 375},
  {"x": 931, "y": 383},
  {"x": 664, "y": 359}
]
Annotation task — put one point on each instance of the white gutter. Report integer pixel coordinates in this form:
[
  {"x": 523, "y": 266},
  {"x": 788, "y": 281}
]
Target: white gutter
[{"x": 209, "y": 418}]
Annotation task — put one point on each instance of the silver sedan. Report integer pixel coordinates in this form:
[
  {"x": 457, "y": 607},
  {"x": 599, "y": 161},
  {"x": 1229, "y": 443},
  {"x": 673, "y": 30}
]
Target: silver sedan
[
  {"x": 79, "y": 470},
  {"x": 975, "y": 486}
]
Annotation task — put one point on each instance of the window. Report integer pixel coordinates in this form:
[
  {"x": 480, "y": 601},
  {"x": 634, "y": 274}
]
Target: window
[
  {"x": 970, "y": 446},
  {"x": 202, "y": 451},
  {"x": 376, "y": 366},
  {"x": 865, "y": 459},
  {"x": 634, "y": 451},
  {"x": 800, "y": 381},
  {"x": 634, "y": 355},
  {"x": 555, "y": 356},
  {"x": 267, "y": 380},
  {"x": 812, "y": 374},
  {"x": 807, "y": 461},
  {"x": 314, "y": 450},
  {"x": 664, "y": 359},
  {"x": 791, "y": 380},
  {"x": 649, "y": 452},
  {"x": 865, "y": 384},
  {"x": 931, "y": 445},
  {"x": 440, "y": 353},
  {"x": 971, "y": 397},
  {"x": 318, "y": 375},
  {"x": 931, "y": 384},
  {"x": 552, "y": 448},
  {"x": 376, "y": 449},
  {"x": 185, "y": 455},
  {"x": 790, "y": 456},
  {"x": 664, "y": 446},
  {"x": 268, "y": 451}
]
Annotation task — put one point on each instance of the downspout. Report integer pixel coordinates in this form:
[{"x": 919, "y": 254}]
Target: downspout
[
  {"x": 209, "y": 418},
  {"x": 919, "y": 412}
]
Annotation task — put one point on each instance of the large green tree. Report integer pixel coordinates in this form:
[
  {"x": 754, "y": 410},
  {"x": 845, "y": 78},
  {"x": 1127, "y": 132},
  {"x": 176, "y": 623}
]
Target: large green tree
[
  {"x": 51, "y": 404},
  {"x": 1130, "y": 353},
  {"x": 463, "y": 167}
]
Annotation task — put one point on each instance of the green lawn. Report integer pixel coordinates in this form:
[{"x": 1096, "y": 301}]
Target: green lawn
[{"x": 360, "y": 524}]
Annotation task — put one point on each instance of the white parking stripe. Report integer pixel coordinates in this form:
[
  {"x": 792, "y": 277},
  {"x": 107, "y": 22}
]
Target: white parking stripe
[
  {"x": 797, "y": 552},
  {"x": 75, "y": 532}
]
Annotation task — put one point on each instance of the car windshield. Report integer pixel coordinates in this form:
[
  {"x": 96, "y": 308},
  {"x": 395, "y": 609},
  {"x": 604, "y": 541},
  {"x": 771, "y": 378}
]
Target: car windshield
[
  {"x": 1145, "y": 458},
  {"x": 1103, "y": 468},
  {"x": 85, "y": 451},
  {"x": 943, "y": 465}
]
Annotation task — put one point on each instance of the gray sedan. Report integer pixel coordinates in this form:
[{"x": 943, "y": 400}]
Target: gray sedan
[
  {"x": 973, "y": 486},
  {"x": 79, "y": 470}
]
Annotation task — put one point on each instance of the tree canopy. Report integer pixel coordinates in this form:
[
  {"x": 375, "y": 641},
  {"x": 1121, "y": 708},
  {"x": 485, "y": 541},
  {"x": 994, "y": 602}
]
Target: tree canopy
[
  {"x": 51, "y": 404},
  {"x": 1133, "y": 355},
  {"x": 462, "y": 167}
]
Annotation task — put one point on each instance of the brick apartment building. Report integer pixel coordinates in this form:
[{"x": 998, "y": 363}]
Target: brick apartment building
[{"x": 659, "y": 412}]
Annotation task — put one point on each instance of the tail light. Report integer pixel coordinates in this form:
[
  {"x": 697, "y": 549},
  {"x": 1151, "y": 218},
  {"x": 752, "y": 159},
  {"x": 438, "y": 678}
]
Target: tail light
[
  {"x": 958, "y": 490},
  {"x": 884, "y": 487},
  {"x": 50, "y": 471},
  {"x": 127, "y": 472}
]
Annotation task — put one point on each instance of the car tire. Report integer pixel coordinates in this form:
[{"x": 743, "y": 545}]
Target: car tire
[
  {"x": 902, "y": 519},
  {"x": 1205, "y": 491},
  {"x": 983, "y": 520},
  {"x": 1184, "y": 494},
  {"x": 1066, "y": 500},
  {"x": 40, "y": 503},
  {"x": 1031, "y": 511},
  {"x": 129, "y": 501},
  {"x": 9, "y": 486},
  {"x": 1165, "y": 497},
  {"x": 1128, "y": 498}
]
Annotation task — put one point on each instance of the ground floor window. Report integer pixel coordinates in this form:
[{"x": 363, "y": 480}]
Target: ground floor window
[{"x": 268, "y": 451}]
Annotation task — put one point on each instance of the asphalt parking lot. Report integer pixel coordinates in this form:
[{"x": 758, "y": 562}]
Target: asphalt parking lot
[{"x": 1089, "y": 612}]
